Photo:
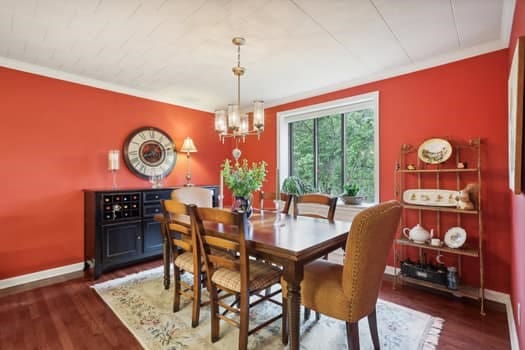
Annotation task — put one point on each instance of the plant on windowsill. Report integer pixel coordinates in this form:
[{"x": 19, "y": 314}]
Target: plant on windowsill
[
  {"x": 242, "y": 180},
  {"x": 295, "y": 185},
  {"x": 350, "y": 194}
]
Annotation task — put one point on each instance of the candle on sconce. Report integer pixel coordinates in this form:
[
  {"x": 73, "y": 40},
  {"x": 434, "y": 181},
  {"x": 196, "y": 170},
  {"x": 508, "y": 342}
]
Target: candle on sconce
[{"x": 114, "y": 159}]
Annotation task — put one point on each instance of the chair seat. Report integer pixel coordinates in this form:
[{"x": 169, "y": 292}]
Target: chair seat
[
  {"x": 321, "y": 289},
  {"x": 184, "y": 261},
  {"x": 262, "y": 275}
]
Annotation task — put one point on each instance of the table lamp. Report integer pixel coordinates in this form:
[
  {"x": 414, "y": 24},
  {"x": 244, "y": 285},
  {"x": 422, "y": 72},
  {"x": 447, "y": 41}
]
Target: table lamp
[{"x": 188, "y": 147}]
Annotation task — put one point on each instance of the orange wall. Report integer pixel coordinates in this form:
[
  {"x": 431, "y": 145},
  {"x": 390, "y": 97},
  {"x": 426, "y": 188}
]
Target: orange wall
[
  {"x": 55, "y": 137},
  {"x": 518, "y": 207},
  {"x": 458, "y": 101}
]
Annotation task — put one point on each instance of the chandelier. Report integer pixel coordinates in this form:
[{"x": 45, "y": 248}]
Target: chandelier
[{"x": 233, "y": 123}]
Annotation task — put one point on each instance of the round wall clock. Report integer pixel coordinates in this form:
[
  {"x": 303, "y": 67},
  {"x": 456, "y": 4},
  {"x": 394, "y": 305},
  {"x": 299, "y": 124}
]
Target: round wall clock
[{"x": 149, "y": 151}]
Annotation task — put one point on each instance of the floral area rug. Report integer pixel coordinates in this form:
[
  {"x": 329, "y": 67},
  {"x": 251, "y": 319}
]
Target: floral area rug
[{"x": 142, "y": 304}]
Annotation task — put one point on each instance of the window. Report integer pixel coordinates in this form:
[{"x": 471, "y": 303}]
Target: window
[{"x": 331, "y": 144}]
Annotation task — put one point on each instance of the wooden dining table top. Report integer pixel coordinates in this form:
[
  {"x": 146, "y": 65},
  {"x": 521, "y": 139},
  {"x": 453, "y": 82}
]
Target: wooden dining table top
[{"x": 295, "y": 237}]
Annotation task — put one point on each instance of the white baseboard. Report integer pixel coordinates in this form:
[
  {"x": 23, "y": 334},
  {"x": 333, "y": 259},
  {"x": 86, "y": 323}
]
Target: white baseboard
[
  {"x": 492, "y": 295},
  {"x": 40, "y": 275}
]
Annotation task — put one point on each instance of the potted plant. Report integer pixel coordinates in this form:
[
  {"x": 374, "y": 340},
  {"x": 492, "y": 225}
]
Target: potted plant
[
  {"x": 294, "y": 185},
  {"x": 242, "y": 180},
  {"x": 350, "y": 194}
]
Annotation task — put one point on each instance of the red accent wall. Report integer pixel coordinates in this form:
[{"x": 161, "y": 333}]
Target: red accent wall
[
  {"x": 518, "y": 206},
  {"x": 458, "y": 100},
  {"x": 55, "y": 139}
]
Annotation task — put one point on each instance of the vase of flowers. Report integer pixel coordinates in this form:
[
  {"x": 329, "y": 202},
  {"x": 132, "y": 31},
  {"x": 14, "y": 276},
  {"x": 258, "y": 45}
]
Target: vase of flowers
[{"x": 242, "y": 179}]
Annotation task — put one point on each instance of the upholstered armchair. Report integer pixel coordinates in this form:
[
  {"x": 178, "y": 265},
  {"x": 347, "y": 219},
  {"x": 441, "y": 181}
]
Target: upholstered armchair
[{"x": 349, "y": 292}]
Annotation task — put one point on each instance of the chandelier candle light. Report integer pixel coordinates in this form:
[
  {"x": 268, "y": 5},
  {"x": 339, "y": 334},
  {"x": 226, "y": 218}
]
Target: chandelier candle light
[
  {"x": 188, "y": 147},
  {"x": 232, "y": 123},
  {"x": 114, "y": 165}
]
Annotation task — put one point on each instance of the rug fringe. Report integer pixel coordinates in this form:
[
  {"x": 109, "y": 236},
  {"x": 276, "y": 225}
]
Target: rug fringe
[{"x": 432, "y": 339}]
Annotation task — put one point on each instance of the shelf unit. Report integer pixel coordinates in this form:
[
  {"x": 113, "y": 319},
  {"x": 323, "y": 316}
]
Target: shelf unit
[{"x": 444, "y": 176}]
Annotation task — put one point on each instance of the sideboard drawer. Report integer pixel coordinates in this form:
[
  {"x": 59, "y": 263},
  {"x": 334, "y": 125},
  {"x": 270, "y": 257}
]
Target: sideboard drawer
[
  {"x": 151, "y": 209},
  {"x": 155, "y": 196}
]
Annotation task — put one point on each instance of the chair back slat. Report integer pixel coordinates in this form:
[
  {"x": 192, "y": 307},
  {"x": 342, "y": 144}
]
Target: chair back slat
[
  {"x": 221, "y": 243},
  {"x": 221, "y": 261},
  {"x": 184, "y": 244},
  {"x": 330, "y": 203}
]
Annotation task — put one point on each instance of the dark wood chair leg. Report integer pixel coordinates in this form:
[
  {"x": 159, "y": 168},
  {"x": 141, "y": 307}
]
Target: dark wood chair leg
[
  {"x": 243, "y": 325},
  {"x": 195, "y": 313},
  {"x": 306, "y": 314},
  {"x": 176, "y": 289},
  {"x": 317, "y": 316},
  {"x": 352, "y": 335},
  {"x": 214, "y": 310},
  {"x": 284, "y": 334},
  {"x": 372, "y": 323}
]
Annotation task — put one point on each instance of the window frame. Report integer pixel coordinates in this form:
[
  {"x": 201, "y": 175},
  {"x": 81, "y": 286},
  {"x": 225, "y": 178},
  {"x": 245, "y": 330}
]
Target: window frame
[{"x": 340, "y": 106}]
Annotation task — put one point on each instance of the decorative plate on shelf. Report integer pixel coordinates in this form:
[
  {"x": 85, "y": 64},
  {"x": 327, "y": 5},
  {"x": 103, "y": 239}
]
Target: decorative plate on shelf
[
  {"x": 434, "y": 151},
  {"x": 438, "y": 198},
  {"x": 455, "y": 237}
]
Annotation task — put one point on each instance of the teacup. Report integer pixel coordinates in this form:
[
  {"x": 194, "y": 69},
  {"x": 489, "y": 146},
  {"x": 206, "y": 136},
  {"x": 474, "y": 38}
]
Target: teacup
[{"x": 436, "y": 242}]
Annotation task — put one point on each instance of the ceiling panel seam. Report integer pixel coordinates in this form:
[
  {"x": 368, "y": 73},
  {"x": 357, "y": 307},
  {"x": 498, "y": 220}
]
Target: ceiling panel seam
[
  {"x": 453, "y": 10},
  {"x": 350, "y": 53},
  {"x": 391, "y": 31}
]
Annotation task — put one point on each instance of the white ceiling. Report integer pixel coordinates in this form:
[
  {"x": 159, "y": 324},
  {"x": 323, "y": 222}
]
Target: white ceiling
[{"x": 180, "y": 51}]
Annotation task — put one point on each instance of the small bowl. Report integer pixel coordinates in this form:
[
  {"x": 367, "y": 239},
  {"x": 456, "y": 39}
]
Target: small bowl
[{"x": 352, "y": 199}]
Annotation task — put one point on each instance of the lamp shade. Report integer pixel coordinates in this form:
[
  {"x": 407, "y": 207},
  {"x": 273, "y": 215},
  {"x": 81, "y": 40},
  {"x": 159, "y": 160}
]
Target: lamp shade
[
  {"x": 188, "y": 146},
  {"x": 221, "y": 125},
  {"x": 258, "y": 115}
]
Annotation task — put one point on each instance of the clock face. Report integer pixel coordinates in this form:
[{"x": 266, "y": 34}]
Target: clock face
[{"x": 149, "y": 152}]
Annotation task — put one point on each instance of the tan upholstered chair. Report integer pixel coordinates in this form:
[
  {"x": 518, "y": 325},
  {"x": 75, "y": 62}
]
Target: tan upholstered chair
[
  {"x": 309, "y": 204},
  {"x": 349, "y": 292},
  {"x": 177, "y": 231},
  {"x": 266, "y": 201},
  {"x": 231, "y": 275},
  {"x": 201, "y": 197}
]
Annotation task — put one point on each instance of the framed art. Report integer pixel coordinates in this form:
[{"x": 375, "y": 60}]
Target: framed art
[{"x": 515, "y": 127}]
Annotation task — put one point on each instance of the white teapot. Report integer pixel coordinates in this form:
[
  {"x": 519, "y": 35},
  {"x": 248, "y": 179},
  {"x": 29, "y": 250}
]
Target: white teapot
[{"x": 418, "y": 234}]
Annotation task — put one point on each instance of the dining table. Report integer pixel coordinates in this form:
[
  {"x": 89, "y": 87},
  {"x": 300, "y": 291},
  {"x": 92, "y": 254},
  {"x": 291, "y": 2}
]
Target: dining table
[{"x": 292, "y": 242}]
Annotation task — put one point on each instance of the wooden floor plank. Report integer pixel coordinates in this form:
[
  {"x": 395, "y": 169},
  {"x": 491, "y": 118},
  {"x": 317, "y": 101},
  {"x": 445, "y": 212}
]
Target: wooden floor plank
[{"x": 69, "y": 314}]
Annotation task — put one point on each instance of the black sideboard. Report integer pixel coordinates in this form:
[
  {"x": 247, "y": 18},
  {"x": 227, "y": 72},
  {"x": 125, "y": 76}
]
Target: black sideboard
[{"x": 119, "y": 229}]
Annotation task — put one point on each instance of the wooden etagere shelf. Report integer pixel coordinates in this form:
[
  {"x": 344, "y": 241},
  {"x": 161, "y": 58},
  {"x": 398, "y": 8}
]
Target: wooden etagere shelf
[
  {"x": 465, "y": 250},
  {"x": 443, "y": 176}
]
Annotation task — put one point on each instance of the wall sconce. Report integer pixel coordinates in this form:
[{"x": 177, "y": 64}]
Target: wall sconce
[
  {"x": 188, "y": 147},
  {"x": 114, "y": 165}
]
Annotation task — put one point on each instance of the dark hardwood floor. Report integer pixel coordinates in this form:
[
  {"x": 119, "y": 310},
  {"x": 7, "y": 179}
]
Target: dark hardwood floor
[{"x": 65, "y": 313}]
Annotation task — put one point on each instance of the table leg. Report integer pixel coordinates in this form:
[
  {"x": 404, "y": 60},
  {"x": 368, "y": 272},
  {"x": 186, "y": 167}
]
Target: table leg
[{"x": 293, "y": 277}]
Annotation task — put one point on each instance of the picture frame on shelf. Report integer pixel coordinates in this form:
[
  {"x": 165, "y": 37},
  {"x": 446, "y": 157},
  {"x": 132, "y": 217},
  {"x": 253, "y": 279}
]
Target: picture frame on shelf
[{"x": 515, "y": 116}]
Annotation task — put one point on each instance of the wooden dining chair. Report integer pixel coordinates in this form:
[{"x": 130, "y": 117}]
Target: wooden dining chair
[
  {"x": 349, "y": 292},
  {"x": 185, "y": 255},
  {"x": 313, "y": 205},
  {"x": 270, "y": 197},
  {"x": 232, "y": 275},
  {"x": 199, "y": 196},
  {"x": 316, "y": 205}
]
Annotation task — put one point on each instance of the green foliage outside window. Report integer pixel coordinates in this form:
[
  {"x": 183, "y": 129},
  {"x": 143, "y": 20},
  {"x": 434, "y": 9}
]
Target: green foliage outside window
[{"x": 326, "y": 142}]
